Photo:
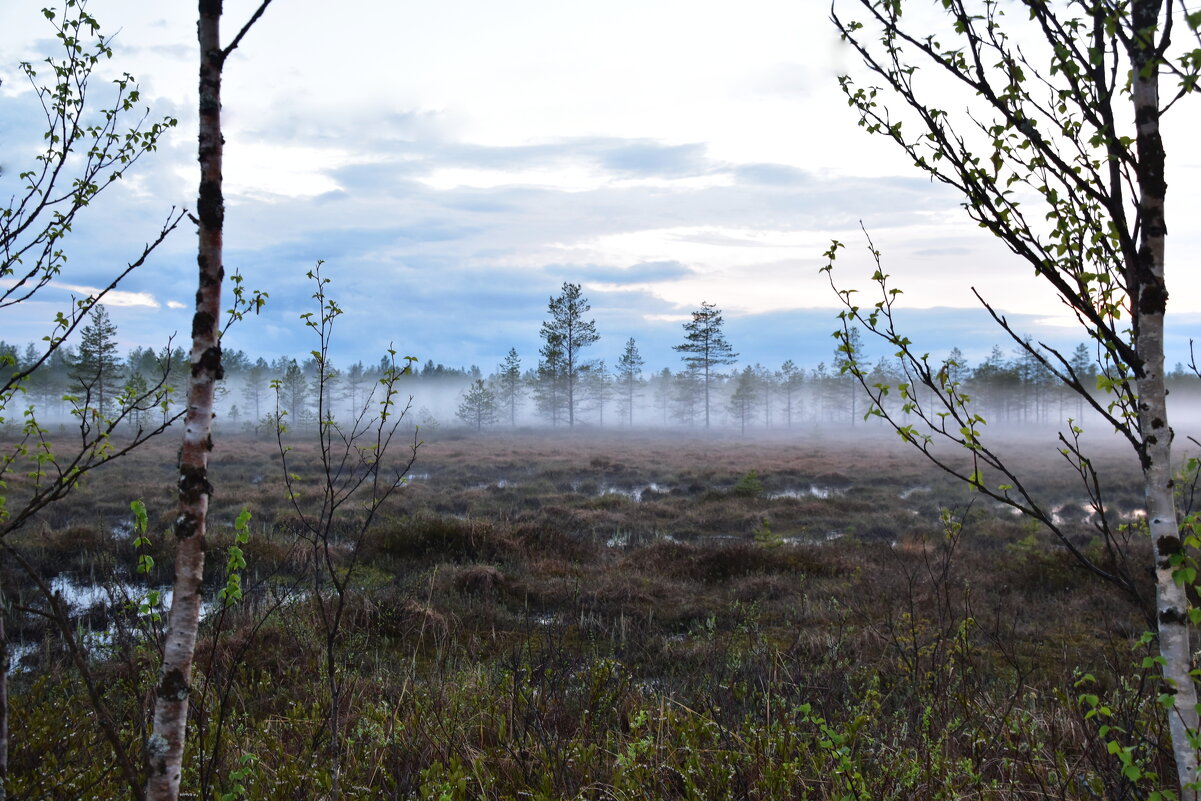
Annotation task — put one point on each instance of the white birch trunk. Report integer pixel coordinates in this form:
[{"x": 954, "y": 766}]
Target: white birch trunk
[
  {"x": 165, "y": 747},
  {"x": 1149, "y": 297}
]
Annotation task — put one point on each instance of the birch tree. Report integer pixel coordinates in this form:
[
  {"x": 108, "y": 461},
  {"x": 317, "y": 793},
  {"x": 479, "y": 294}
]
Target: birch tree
[
  {"x": 164, "y": 747},
  {"x": 1060, "y": 155},
  {"x": 88, "y": 144}
]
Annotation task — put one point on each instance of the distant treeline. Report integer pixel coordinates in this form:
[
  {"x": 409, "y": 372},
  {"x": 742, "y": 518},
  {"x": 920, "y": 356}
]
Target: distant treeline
[{"x": 1011, "y": 389}]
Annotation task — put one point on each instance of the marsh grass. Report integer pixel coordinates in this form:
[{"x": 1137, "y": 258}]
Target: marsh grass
[{"x": 516, "y": 632}]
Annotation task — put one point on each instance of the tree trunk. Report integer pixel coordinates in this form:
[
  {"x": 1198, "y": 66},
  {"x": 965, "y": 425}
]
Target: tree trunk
[
  {"x": 165, "y": 746},
  {"x": 3, "y": 701},
  {"x": 1149, "y": 297}
]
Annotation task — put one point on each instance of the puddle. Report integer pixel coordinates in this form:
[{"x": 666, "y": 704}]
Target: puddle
[
  {"x": 500, "y": 483},
  {"x": 909, "y": 493},
  {"x": 123, "y": 529},
  {"x": 17, "y": 651},
  {"x": 829, "y": 536},
  {"x": 1072, "y": 512},
  {"x": 634, "y": 494},
  {"x": 619, "y": 540},
  {"x": 812, "y": 491},
  {"x": 81, "y": 597},
  {"x": 722, "y": 538}
]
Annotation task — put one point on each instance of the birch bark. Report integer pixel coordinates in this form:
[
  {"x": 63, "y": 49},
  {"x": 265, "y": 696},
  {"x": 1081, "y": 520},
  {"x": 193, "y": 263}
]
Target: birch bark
[
  {"x": 1149, "y": 296},
  {"x": 1108, "y": 268},
  {"x": 164, "y": 749}
]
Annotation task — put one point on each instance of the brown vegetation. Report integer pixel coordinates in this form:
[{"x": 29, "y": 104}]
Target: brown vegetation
[{"x": 617, "y": 618}]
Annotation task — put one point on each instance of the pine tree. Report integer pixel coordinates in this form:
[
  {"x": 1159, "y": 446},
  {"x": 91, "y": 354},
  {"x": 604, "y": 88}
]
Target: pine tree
[
  {"x": 136, "y": 387},
  {"x": 663, "y": 382},
  {"x": 509, "y": 384},
  {"x": 566, "y": 333},
  {"x": 705, "y": 347},
  {"x": 97, "y": 368},
  {"x": 599, "y": 384},
  {"x": 548, "y": 381},
  {"x": 478, "y": 406},
  {"x": 791, "y": 380},
  {"x": 687, "y": 394},
  {"x": 292, "y": 390},
  {"x": 742, "y": 400},
  {"x": 255, "y": 385},
  {"x": 766, "y": 383},
  {"x": 846, "y": 356},
  {"x": 629, "y": 376}
]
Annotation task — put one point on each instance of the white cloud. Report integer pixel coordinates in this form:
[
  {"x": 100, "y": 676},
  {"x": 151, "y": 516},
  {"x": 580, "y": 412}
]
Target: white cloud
[
  {"x": 641, "y": 131},
  {"x": 116, "y": 297}
]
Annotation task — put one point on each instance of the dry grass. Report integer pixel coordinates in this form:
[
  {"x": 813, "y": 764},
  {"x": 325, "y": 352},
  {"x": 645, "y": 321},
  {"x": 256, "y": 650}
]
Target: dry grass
[{"x": 534, "y": 606}]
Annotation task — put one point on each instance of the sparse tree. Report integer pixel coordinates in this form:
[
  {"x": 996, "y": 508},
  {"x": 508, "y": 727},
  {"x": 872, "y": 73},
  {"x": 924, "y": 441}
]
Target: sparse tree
[
  {"x": 847, "y": 367},
  {"x": 884, "y": 373},
  {"x": 765, "y": 381},
  {"x": 509, "y": 384},
  {"x": 97, "y": 368},
  {"x": 566, "y": 333},
  {"x": 353, "y": 483},
  {"x": 324, "y": 387},
  {"x": 688, "y": 394},
  {"x": 629, "y": 377},
  {"x": 663, "y": 382},
  {"x": 1060, "y": 155},
  {"x": 137, "y": 388},
  {"x": 792, "y": 379},
  {"x": 356, "y": 386},
  {"x": 821, "y": 390},
  {"x": 255, "y": 384},
  {"x": 1085, "y": 366},
  {"x": 742, "y": 399},
  {"x": 478, "y": 406},
  {"x": 599, "y": 386},
  {"x": 548, "y": 382},
  {"x": 293, "y": 389},
  {"x": 956, "y": 366},
  {"x": 705, "y": 347}
]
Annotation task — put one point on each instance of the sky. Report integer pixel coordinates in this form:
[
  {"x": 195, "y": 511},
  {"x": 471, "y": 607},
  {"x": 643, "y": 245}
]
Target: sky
[{"x": 454, "y": 163}]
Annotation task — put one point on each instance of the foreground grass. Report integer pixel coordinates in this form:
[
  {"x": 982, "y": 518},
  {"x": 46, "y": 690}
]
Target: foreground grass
[{"x": 620, "y": 619}]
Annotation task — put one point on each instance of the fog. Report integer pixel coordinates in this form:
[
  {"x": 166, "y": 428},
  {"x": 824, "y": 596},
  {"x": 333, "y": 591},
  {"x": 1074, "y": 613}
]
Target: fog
[
  {"x": 830, "y": 407},
  {"x": 752, "y": 403}
]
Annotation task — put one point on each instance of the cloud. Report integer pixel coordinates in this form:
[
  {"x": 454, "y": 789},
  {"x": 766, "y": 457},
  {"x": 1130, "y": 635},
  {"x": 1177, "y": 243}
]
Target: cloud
[
  {"x": 792, "y": 80},
  {"x": 641, "y": 273},
  {"x": 772, "y": 175},
  {"x": 644, "y": 157},
  {"x": 952, "y": 251},
  {"x": 115, "y": 297},
  {"x": 175, "y": 304}
]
